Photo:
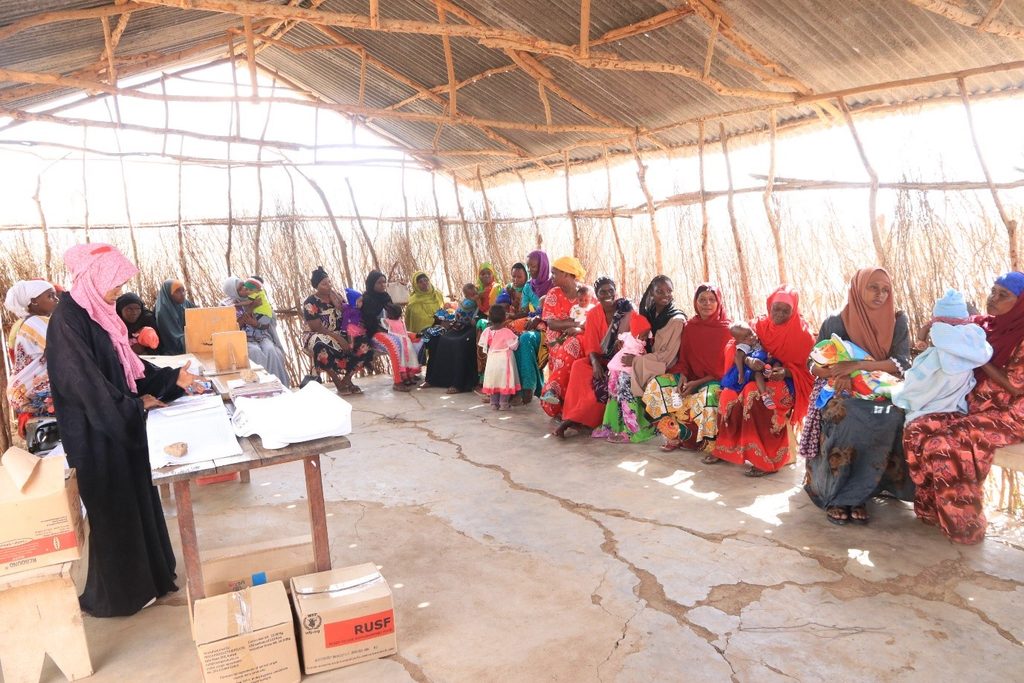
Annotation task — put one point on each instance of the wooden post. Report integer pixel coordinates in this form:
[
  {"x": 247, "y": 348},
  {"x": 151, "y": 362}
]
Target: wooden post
[
  {"x": 497, "y": 256},
  {"x": 874, "y": 220},
  {"x": 748, "y": 306},
  {"x": 47, "y": 255},
  {"x": 769, "y": 210},
  {"x": 704, "y": 223},
  {"x": 441, "y": 236},
  {"x": 584, "y": 29},
  {"x": 257, "y": 261},
  {"x": 446, "y": 45},
  {"x": 362, "y": 228},
  {"x": 711, "y": 47},
  {"x": 1009, "y": 223},
  {"x": 250, "y": 55},
  {"x": 577, "y": 247},
  {"x": 623, "y": 273},
  {"x": 374, "y": 14},
  {"x": 181, "y": 224},
  {"x": 85, "y": 183},
  {"x": 405, "y": 215},
  {"x": 529, "y": 205},
  {"x": 124, "y": 191},
  {"x": 342, "y": 244},
  {"x": 641, "y": 174},
  {"x": 465, "y": 227}
]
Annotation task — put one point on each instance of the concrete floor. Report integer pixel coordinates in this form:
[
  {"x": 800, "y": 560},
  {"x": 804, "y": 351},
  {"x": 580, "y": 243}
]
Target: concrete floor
[{"x": 514, "y": 557}]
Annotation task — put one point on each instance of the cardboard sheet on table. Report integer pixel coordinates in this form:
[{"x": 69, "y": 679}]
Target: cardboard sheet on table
[
  {"x": 312, "y": 412},
  {"x": 200, "y": 421}
]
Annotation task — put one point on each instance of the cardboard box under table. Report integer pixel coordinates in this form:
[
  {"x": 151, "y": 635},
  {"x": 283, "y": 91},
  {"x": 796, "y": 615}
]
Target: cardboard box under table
[
  {"x": 247, "y": 636},
  {"x": 346, "y": 616},
  {"x": 40, "y": 512},
  {"x": 253, "y": 456}
]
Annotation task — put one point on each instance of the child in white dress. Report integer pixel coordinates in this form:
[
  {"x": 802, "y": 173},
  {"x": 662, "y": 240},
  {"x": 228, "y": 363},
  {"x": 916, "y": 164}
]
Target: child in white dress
[{"x": 501, "y": 376}]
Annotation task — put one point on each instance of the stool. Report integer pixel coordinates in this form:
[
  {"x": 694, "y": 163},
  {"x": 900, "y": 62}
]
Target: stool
[{"x": 39, "y": 616}]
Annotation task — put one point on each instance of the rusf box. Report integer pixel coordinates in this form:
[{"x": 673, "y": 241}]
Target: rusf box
[
  {"x": 346, "y": 616},
  {"x": 40, "y": 512},
  {"x": 247, "y": 636}
]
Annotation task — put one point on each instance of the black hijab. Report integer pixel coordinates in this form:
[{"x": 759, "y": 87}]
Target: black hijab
[
  {"x": 648, "y": 309},
  {"x": 373, "y": 303},
  {"x": 146, "y": 318}
]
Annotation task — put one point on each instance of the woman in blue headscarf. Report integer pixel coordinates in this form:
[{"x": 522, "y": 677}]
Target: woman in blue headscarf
[{"x": 170, "y": 317}]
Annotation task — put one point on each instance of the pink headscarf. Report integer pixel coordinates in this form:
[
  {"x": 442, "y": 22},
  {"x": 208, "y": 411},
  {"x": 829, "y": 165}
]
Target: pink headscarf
[{"x": 96, "y": 269}]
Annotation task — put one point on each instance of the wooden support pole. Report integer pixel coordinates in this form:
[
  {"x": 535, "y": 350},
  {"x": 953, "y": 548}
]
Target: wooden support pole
[
  {"x": 250, "y": 55},
  {"x": 497, "y": 254},
  {"x": 442, "y": 238},
  {"x": 108, "y": 48},
  {"x": 539, "y": 239},
  {"x": 704, "y": 221},
  {"x": 342, "y": 244},
  {"x": 544, "y": 102},
  {"x": 181, "y": 224},
  {"x": 257, "y": 260},
  {"x": 362, "y": 78},
  {"x": 584, "y": 28},
  {"x": 465, "y": 227},
  {"x": 641, "y": 174},
  {"x": 405, "y": 215},
  {"x": 47, "y": 253},
  {"x": 711, "y": 47},
  {"x": 362, "y": 228},
  {"x": 874, "y": 220},
  {"x": 85, "y": 184},
  {"x": 623, "y": 273},
  {"x": 1009, "y": 223},
  {"x": 748, "y": 305},
  {"x": 577, "y": 245},
  {"x": 769, "y": 209},
  {"x": 374, "y": 14},
  {"x": 990, "y": 16},
  {"x": 124, "y": 193},
  {"x": 446, "y": 44}
]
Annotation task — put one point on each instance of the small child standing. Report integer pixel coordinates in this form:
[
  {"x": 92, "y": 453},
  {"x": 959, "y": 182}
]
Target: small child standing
[
  {"x": 943, "y": 374},
  {"x": 501, "y": 376},
  {"x": 395, "y": 329},
  {"x": 748, "y": 348},
  {"x": 620, "y": 392}
]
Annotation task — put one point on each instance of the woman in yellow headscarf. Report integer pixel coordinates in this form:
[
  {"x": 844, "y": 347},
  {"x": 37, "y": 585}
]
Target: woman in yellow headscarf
[
  {"x": 424, "y": 301},
  {"x": 562, "y": 331}
]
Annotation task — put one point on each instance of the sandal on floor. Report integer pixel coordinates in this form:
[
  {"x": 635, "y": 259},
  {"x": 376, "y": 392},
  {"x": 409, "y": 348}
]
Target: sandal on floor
[
  {"x": 843, "y": 516},
  {"x": 710, "y": 460},
  {"x": 755, "y": 473},
  {"x": 617, "y": 437},
  {"x": 401, "y": 387},
  {"x": 670, "y": 446},
  {"x": 863, "y": 509}
]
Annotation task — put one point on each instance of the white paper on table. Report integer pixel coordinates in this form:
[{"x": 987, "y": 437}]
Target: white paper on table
[
  {"x": 261, "y": 379},
  {"x": 202, "y": 422},
  {"x": 312, "y": 412}
]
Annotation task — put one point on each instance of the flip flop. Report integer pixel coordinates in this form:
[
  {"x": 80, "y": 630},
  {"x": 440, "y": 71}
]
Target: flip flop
[
  {"x": 859, "y": 520},
  {"x": 838, "y": 521},
  {"x": 755, "y": 473},
  {"x": 669, "y": 447},
  {"x": 710, "y": 460}
]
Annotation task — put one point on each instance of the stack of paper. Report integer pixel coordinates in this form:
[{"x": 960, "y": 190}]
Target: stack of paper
[
  {"x": 201, "y": 422},
  {"x": 312, "y": 412},
  {"x": 268, "y": 385}
]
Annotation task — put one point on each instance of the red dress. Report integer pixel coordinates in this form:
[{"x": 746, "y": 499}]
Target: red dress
[
  {"x": 747, "y": 429},
  {"x": 950, "y": 454},
  {"x": 580, "y": 403},
  {"x": 563, "y": 351}
]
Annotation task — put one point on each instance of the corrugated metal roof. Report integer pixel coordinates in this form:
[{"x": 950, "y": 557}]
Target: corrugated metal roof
[{"x": 827, "y": 45}]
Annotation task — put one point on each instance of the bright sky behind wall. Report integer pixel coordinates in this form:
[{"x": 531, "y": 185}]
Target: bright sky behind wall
[{"x": 928, "y": 144}]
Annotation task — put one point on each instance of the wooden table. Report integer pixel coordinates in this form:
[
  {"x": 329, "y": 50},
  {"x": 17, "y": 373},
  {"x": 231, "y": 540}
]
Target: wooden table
[{"x": 253, "y": 456}]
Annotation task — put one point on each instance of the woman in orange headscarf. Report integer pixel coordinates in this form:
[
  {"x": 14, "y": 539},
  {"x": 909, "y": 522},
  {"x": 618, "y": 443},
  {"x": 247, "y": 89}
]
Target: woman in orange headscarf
[
  {"x": 854, "y": 446},
  {"x": 748, "y": 430}
]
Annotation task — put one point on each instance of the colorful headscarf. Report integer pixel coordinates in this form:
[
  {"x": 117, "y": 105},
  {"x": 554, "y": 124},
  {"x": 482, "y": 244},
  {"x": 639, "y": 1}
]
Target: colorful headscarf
[
  {"x": 649, "y": 311},
  {"x": 1004, "y": 332},
  {"x": 791, "y": 343},
  {"x": 869, "y": 329},
  {"x": 570, "y": 265},
  {"x": 496, "y": 282},
  {"x": 96, "y": 269},
  {"x": 704, "y": 340},
  {"x": 417, "y": 296},
  {"x": 21, "y": 293},
  {"x": 543, "y": 283}
]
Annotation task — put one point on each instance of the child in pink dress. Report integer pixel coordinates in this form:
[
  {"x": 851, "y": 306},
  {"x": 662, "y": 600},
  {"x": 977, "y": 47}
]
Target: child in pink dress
[
  {"x": 501, "y": 376},
  {"x": 633, "y": 343},
  {"x": 395, "y": 329}
]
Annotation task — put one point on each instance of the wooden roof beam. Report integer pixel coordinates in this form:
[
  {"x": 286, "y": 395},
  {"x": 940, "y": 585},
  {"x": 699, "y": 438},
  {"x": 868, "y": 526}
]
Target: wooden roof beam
[
  {"x": 59, "y": 16},
  {"x": 964, "y": 17}
]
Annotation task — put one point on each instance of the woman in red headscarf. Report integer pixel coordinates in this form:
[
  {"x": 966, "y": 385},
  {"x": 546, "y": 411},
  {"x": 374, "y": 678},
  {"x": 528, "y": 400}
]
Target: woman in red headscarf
[
  {"x": 748, "y": 430},
  {"x": 101, "y": 392},
  {"x": 853, "y": 446},
  {"x": 685, "y": 401},
  {"x": 950, "y": 454}
]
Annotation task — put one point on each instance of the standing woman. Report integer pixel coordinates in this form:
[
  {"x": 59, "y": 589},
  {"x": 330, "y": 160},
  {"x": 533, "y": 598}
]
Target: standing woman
[
  {"x": 101, "y": 392},
  {"x": 375, "y": 298},
  {"x": 563, "y": 332},
  {"x": 749, "y": 431},
  {"x": 685, "y": 404},
  {"x": 587, "y": 393},
  {"x": 32, "y": 301},
  {"x": 854, "y": 447},
  {"x": 170, "y": 317},
  {"x": 950, "y": 454}
]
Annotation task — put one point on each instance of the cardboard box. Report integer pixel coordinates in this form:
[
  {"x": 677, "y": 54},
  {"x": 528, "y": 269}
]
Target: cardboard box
[
  {"x": 244, "y": 566},
  {"x": 346, "y": 616},
  {"x": 40, "y": 512},
  {"x": 247, "y": 636}
]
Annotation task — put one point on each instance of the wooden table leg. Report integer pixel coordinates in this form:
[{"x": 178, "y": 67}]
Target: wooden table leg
[
  {"x": 244, "y": 476},
  {"x": 189, "y": 540},
  {"x": 317, "y": 513},
  {"x": 165, "y": 491}
]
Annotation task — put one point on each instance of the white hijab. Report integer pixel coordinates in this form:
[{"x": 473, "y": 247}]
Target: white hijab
[{"x": 21, "y": 293}]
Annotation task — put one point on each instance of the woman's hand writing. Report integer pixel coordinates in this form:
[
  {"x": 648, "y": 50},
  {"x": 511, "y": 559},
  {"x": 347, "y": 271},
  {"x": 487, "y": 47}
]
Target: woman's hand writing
[{"x": 149, "y": 402}]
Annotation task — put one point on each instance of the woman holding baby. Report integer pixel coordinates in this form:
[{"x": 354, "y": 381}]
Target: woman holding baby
[{"x": 853, "y": 446}]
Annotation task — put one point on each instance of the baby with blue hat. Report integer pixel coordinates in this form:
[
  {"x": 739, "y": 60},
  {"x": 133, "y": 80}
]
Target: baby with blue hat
[{"x": 943, "y": 374}]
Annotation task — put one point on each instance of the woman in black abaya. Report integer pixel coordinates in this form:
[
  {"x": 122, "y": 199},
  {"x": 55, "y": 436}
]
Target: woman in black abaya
[{"x": 103, "y": 391}]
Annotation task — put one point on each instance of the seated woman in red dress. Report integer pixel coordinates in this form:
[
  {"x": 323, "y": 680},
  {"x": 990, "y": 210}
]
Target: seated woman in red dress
[
  {"x": 950, "y": 454},
  {"x": 748, "y": 430}
]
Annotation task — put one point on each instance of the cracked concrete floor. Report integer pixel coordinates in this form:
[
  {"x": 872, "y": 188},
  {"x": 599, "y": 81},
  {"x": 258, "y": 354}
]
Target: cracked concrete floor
[{"x": 514, "y": 557}]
